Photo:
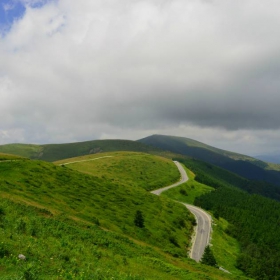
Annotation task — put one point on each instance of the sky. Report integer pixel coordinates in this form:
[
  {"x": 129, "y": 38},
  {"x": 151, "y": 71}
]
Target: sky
[{"x": 126, "y": 69}]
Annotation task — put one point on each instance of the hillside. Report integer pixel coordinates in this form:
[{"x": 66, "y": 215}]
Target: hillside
[
  {"x": 129, "y": 169},
  {"x": 4, "y": 157},
  {"x": 254, "y": 222},
  {"x": 242, "y": 165},
  {"x": 55, "y": 152},
  {"x": 75, "y": 225},
  {"x": 246, "y": 226}
]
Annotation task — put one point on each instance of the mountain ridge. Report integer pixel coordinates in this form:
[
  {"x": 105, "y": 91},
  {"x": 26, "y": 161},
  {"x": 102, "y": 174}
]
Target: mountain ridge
[{"x": 245, "y": 166}]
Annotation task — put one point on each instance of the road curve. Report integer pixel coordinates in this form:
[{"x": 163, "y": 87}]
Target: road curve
[
  {"x": 184, "y": 178},
  {"x": 203, "y": 229},
  {"x": 203, "y": 219}
]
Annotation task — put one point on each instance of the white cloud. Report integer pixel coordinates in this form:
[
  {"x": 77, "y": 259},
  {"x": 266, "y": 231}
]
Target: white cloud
[{"x": 77, "y": 70}]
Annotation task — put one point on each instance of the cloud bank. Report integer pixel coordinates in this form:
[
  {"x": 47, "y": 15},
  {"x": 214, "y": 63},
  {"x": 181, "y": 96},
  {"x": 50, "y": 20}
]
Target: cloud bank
[{"x": 78, "y": 70}]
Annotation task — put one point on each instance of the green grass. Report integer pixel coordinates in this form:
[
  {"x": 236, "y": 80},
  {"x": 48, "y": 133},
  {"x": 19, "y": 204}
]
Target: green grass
[
  {"x": 128, "y": 169},
  {"x": 4, "y": 157},
  {"x": 188, "y": 191},
  {"x": 225, "y": 248},
  {"x": 23, "y": 150},
  {"x": 58, "y": 248},
  {"x": 71, "y": 225},
  {"x": 54, "y": 152}
]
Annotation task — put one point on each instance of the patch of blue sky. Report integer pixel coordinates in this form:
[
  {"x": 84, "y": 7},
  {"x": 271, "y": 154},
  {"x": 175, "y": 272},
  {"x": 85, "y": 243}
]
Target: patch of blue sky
[
  {"x": 9, "y": 12},
  {"x": 37, "y": 4},
  {"x": 12, "y": 10}
]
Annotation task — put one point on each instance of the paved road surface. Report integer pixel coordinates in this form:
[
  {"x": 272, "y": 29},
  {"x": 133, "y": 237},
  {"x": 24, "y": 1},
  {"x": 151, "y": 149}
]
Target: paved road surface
[
  {"x": 84, "y": 160},
  {"x": 203, "y": 219},
  {"x": 184, "y": 178},
  {"x": 202, "y": 232}
]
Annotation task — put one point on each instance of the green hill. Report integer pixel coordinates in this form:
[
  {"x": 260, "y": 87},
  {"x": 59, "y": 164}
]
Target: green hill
[
  {"x": 242, "y": 165},
  {"x": 54, "y": 152},
  {"x": 71, "y": 225},
  {"x": 246, "y": 226},
  {"x": 129, "y": 169},
  {"x": 6, "y": 157}
]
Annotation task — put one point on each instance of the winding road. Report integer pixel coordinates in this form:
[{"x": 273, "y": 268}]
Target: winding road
[{"x": 203, "y": 219}]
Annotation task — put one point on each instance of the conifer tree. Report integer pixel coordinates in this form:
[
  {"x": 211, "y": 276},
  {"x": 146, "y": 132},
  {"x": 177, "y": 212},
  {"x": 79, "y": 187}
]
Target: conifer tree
[
  {"x": 208, "y": 257},
  {"x": 139, "y": 220}
]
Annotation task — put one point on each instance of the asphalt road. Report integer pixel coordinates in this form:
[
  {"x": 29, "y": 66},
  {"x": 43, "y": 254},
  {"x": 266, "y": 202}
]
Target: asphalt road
[
  {"x": 203, "y": 219},
  {"x": 203, "y": 230},
  {"x": 71, "y": 162},
  {"x": 184, "y": 178}
]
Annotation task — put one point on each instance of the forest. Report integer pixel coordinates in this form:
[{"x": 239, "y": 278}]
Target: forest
[
  {"x": 254, "y": 218},
  {"x": 255, "y": 223},
  {"x": 217, "y": 177}
]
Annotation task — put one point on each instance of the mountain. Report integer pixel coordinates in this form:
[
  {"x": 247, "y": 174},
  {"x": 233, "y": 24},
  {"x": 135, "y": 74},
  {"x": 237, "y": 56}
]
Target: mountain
[
  {"x": 245, "y": 166},
  {"x": 54, "y": 152}
]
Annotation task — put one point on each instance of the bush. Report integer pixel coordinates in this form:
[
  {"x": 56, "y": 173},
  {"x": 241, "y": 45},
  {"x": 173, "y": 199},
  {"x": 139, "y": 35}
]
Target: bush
[{"x": 139, "y": 220}]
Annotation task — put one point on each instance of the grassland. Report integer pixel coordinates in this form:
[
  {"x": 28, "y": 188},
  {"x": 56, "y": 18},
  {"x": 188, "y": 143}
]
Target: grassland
[
  {"x": 54, "y": 152},
  {"x": 188, "y": 191},
  {"x": 60, "y": 248},
  {"x": 127, "y": 169},
  {"x": 23, "y": 150},
  {"x": 71, "y": 225},
  {"x": 4, "y": 157},
  {"x": 75, "y": 226},
  {"x": 225, "y": 248}
]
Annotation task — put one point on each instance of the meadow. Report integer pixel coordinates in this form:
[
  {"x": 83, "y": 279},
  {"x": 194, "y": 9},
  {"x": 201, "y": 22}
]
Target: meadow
[
  {"x": 127, "y": 169},
  {"x": 71, "y": 225}
]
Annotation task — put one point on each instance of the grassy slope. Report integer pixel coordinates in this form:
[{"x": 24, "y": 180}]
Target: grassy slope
[
  {"x": 4, "y": 157},
  {"x": 225, "y": 248},
  {"x": 188, "y": 191},
  {"x": 242, "y": 165},
  {"x": 128, "y": 169},
  {"x": 54, "y": 152},
  {"x": 24, "y": 150},
  {"x": 61, "y": 232}
]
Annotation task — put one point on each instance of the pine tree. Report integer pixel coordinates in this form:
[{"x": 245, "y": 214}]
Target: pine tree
[
  {"x": 208, "y": 257},
  {"x": 139, "y": 220}
]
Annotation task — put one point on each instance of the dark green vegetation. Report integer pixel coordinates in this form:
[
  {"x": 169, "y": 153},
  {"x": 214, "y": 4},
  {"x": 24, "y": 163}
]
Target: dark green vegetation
[
  {"x": 242, "y": 165},
  {"x": 139, "y": 219},
  {"x": 255, "y": 223},
  {"x": 128, "y": 169},
  {"x": 54, "y": 152},
  {"x": 216, "y": 177},
  {"x": 208, "y": 257},
  {"x": 71, "y": 225},
  {"x": 253, "y": 220}
]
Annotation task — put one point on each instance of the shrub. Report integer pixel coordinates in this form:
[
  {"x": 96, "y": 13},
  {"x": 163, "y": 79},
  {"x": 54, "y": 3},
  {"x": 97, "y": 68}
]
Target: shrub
[{"x": 139, "y": 220}]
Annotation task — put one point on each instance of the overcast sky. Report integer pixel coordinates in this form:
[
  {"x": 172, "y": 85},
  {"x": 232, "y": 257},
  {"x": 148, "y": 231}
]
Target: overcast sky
[{"x": 96, "y": 69}]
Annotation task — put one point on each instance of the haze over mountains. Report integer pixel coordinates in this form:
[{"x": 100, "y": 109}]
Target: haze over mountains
[{"x": 274, "y": 158}]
